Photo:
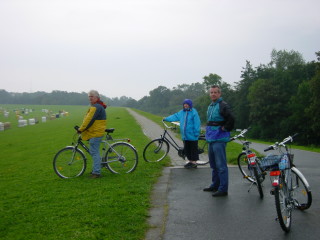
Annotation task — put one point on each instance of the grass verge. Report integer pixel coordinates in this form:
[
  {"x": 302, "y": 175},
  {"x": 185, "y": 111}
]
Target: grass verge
[{"x": 36, "y": 204}]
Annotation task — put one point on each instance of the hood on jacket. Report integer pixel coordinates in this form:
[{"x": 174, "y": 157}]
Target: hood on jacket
[{"x": 187, "y": 101}]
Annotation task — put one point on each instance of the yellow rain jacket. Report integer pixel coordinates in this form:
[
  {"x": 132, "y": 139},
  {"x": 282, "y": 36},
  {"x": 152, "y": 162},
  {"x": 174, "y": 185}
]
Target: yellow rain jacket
[{"x": 94, "y": 123}]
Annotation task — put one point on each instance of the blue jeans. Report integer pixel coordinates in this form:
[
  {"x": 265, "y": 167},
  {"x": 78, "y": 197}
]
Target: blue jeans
[
  {"x": 218, "y": 163},
  {"x": 95, "y": 154}
]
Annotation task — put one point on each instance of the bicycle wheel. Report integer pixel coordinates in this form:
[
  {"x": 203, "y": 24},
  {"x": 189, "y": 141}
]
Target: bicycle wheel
[
  {"x": 121, "y": 158},
  {"x": 283, "y": 205},
  {"x": 301, "y": 194},
  {"x": 245, "y": 168},
  {"x": 156, "y": 150},
  {"x": 258, "y": 181},
  {"x": 69, "y": 163}
]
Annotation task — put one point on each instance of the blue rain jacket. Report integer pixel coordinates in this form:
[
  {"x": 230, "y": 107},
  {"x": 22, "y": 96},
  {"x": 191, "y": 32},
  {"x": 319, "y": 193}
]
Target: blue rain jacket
[{"x": 189, "y": 123}]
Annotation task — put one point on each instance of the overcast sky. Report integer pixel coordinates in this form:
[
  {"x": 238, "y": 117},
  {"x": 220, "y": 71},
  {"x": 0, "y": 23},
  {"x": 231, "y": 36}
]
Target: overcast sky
[{"x": 130, "y": 47}]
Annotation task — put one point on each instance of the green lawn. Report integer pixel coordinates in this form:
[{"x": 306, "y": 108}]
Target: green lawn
[{"x": 36, "y": 204}]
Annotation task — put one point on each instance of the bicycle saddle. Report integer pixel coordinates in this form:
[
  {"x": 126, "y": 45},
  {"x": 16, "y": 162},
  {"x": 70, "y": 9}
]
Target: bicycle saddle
[{"x": 109, "y": 130}]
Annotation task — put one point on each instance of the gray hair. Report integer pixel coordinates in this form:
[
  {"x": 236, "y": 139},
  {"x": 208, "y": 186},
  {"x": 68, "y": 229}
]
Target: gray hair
[
  {"x": 216, "y": 86},
  {"x": 94, "y": 93}
]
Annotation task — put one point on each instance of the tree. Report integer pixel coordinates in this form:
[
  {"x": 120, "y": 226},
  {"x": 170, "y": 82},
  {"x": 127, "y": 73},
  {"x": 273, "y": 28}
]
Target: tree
[
  {"x": 313, "y": 111},
  {"x": 265, "y": 105},
  {"x": 241, "y": 104},
  {"x": 212, "y": 79},
  {"x": 283, "y": 59}
]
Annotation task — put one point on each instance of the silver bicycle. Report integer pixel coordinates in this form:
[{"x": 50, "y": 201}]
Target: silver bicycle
[
  {"x": 118, "y": 156},
  {"x": 290, "y": 188}
]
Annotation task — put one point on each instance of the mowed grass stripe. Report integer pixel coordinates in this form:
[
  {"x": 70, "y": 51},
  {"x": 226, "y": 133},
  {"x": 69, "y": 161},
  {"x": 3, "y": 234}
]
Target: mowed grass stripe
[{"x": 37, "y": 204}]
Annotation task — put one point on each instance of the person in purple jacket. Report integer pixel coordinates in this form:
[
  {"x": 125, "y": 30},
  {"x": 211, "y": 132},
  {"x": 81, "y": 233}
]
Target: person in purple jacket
[{"x": 190, "y": 130}]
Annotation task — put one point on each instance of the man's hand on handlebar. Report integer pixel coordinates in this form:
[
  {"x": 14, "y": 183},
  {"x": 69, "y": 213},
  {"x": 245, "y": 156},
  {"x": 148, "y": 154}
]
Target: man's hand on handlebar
[{"x": 77, "y": 129}]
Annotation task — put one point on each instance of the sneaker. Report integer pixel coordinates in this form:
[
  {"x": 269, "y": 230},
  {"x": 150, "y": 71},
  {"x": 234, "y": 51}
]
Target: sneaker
[{"x": 190, "y": 165}]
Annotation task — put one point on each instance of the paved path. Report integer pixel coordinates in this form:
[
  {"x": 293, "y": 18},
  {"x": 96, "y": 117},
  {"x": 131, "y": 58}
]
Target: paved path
[{"x": 182, "y": 211}]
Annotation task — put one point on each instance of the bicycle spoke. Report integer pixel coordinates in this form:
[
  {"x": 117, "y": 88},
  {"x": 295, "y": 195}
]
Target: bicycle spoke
[
  {"x": 69, "y": 163},
  {"x": 156, "y": 150},
  {"x": 121, "y": 158}
]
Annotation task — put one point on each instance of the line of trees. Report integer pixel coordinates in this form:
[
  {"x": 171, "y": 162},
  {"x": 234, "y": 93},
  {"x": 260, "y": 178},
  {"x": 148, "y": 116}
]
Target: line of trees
[
  {"x": 55, "y": 98},
  {"x": 276, "y": 99}
]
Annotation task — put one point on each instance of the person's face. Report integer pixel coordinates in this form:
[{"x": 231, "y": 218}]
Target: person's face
[
  {"x": 93, "y": 99},
  {"x": 186, "y": 106},
  {"x": 215, "y": 94}
]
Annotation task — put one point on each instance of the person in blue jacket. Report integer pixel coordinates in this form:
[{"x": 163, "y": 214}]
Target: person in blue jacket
[
  {"x": 220, "y": 123},
  {"x": 190, "y": 130}
]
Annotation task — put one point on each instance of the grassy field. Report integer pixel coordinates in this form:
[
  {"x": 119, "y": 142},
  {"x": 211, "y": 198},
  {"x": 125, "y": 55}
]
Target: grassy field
[{"x": 37, "y": 204}]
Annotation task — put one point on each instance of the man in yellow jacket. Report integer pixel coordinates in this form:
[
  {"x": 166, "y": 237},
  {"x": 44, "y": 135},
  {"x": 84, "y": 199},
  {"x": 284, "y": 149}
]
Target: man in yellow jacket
[{"x": 93, "y": 128}]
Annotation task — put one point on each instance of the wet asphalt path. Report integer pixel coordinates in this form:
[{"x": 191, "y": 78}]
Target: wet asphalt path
[{"x": 181, "y": 210}]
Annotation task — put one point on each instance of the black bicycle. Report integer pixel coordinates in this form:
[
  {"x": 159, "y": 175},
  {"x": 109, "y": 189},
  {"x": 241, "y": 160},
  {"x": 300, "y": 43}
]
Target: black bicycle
[
  {"x": 118, "y": 156},
  {"x": 157, "y": 149}
]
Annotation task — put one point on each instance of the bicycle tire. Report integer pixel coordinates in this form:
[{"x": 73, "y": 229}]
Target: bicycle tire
[
  {"x": 121, "y": 158},
  {"x": 156, "y": 150},
  {"x": 245, "y": 168},
  {"x": 258, "y": 181},
  {"x": 283, "y": 205},
  {"x": 69, "y": 163},
  {"x": 301, "y": 194}
]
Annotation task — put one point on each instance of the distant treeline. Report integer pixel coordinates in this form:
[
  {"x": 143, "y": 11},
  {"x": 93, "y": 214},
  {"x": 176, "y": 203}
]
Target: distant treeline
[
  {"x": 276, "y": 99},
  {"x": 55, "y": 98}
]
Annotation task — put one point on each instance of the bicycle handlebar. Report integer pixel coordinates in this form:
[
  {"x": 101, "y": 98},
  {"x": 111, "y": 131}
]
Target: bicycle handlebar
[
  {"x": 281, "y": 144},
  {"x": 166, "y": 126},
  {"x": 241, "y": 134}
]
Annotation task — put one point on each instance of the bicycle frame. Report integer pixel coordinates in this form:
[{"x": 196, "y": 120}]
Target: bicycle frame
[
  {"x": 170, "y": 140},
  {"x": 105, "y": 143}
]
